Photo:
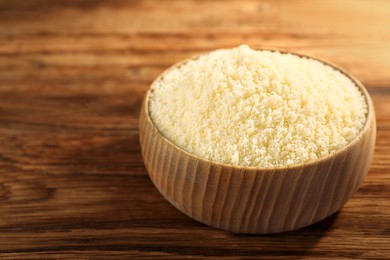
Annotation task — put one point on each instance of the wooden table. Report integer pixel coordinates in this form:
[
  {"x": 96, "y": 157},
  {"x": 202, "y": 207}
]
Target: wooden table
[{"x": 72, "y": 78}]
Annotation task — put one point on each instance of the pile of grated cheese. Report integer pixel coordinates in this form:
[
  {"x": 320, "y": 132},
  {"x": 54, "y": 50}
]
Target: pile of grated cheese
[{"x": 257, "y": 108}]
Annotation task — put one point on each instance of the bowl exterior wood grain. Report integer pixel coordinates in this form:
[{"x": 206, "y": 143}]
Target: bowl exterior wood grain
[{"x": 256, "y": 200}]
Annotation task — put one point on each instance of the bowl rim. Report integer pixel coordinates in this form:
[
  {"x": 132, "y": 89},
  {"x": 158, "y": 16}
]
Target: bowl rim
[{"x": 358, "y": 84}]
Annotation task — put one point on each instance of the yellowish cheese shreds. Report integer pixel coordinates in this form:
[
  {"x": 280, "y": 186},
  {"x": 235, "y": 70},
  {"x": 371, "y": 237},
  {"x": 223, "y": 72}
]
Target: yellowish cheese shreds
[{"x": 257, "y": 108}]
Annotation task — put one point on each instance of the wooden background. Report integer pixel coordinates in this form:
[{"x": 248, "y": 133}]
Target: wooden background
[{"x": 72, "y": 77}]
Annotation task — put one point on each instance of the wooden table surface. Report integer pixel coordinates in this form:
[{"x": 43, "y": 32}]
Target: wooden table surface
[{"x": 72, "y": 78}]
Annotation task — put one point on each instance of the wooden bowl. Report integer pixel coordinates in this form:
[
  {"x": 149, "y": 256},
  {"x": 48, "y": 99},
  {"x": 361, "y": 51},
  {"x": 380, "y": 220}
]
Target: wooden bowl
[{"x": 256, "y": 200}]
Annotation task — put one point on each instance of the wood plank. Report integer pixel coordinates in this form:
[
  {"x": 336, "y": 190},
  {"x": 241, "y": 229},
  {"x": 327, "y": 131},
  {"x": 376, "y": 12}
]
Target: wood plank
[{"x": 140, "y": 51}]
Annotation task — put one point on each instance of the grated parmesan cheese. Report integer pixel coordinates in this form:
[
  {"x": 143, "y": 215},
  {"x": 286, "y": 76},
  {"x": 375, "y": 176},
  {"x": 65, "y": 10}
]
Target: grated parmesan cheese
[{"x": 257, "y": 108}]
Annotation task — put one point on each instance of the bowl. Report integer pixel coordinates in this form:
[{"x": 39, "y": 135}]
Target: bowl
[{"x": 256, "y": 200}]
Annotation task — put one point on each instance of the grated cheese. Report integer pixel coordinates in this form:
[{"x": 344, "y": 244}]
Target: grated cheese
[{"x": 257, "y": 108}]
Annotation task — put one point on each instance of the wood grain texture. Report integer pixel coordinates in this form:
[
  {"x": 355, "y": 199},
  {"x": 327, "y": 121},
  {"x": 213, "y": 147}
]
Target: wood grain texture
[
  {"x": 73, "y": 75},
  {"x": 254, "y": 200}
]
